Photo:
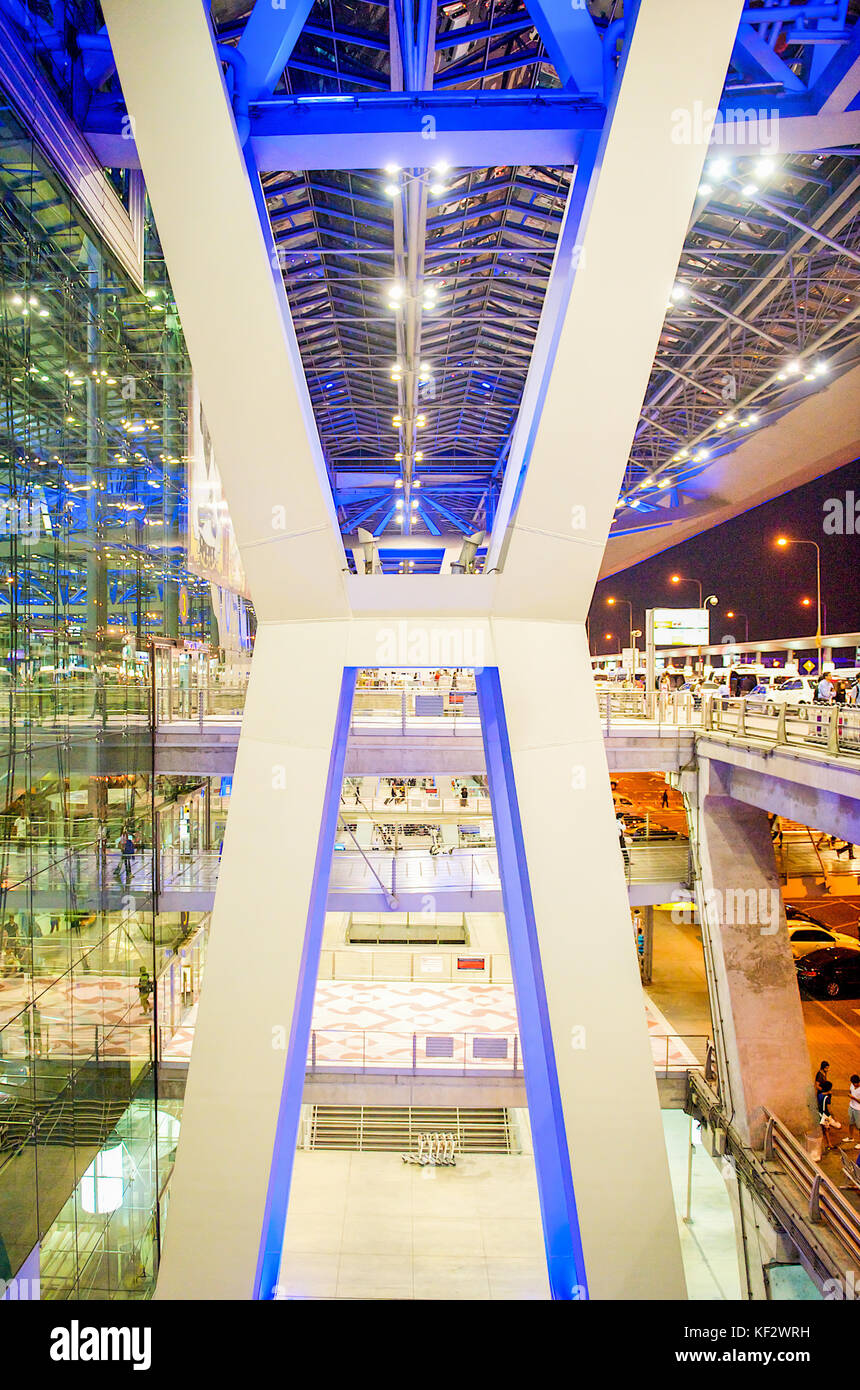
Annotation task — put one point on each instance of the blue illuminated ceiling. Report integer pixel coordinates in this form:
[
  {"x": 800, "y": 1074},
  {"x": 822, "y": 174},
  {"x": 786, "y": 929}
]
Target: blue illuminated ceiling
[{"x": 417, "y": 292}]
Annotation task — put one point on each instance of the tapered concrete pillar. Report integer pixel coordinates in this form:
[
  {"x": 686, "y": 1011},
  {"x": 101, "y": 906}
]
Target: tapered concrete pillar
[
  {"x": 763, "y": 1057},
  {"x": 593, "y": 989},
  {"x": 254, "y": 1016}
]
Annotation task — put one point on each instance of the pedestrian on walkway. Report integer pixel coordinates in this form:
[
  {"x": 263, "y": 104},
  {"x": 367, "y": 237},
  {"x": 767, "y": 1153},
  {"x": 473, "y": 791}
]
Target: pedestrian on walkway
[
  {"x": 664, "y": 799},
  {"x": 144, "y": 989},
  {"x": 854, "y": 1109},
  {"x": 829, "y": 1125},
  {"x": 128, "y": 853},
  {"x": 821, "y": 1076},
  {"x": 21, "y": 828},
  {"x": 824, "y": 691}
]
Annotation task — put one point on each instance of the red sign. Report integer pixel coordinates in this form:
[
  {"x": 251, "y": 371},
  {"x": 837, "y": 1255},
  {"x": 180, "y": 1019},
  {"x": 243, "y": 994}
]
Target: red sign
[{"x": 470, "y": 962}]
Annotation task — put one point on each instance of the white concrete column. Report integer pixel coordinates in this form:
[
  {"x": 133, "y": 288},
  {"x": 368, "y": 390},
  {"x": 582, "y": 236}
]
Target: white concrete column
[
  {"x": 255, "y": 963},
  {"x": 764, "y": 1059},
  {"x": 632, "y": 228},
  {"x": 594, "y": 994}
]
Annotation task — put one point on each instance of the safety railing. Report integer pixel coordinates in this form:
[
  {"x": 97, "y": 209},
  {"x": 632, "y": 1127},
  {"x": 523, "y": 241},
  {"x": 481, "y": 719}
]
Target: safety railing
[
  {"x": 83, "y": 877},
  {"x": 825, "y": 1203},
  {"x": 417, "y": 708},
  {"x": 362, "y": 1049},
  {"x": 675, "y": 1054},
  {"x": 178, "y": 702},
  {"x": 411, "y": 804},
  {"x": 834, "y": 729},
  {"x": 660, "y": 861},
  {"x": 674, "y": 707},
  {"x": 75, "y": 699},
  {"x": 37, "y": 1035}
]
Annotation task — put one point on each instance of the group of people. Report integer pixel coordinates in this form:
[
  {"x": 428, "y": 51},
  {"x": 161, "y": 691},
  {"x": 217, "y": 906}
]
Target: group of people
[
  {"x": 830, "y": 1127},
  {"x": 832, "y": 691}
]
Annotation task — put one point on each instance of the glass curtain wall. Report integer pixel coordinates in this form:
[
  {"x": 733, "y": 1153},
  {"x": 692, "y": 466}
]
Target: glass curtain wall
[{"x": 94, "y": 390}]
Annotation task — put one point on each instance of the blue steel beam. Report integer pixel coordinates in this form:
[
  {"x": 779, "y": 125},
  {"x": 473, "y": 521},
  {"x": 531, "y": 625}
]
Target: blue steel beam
[
  {"x": 759, "y": 61},
  {"x": 572, "y": 42},
  {"x": 269, "y": 37},
  {"x": 839, "y": 83},
  {"x": 455, "y": 520},
  {"x": 468, "y": 129},
  {"x": 476, "y": 33}
]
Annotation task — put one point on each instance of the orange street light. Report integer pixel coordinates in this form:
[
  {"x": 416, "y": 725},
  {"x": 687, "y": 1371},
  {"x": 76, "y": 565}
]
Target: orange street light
[{"x": 782, "y": 542}]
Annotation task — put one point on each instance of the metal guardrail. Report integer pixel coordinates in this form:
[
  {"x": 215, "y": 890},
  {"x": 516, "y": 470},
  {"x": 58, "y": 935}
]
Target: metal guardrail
[
  {"x": 831, "y": 728},
  {"x": 823, "y": 1199},
  {"x": 464, "y": 1053},
  {"x": 469, "y": 1053},
  {"x": 834, "y": 729},
  {"x": 806, "y": 1207},
  {"x": 672, "y": 1048}
]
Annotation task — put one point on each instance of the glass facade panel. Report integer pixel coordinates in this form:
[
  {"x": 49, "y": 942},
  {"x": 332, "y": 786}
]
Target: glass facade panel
[{"x": 97, "y": 607}]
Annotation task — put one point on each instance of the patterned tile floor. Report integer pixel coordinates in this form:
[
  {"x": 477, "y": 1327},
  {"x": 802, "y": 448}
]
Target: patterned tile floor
[{"x": 373, "y": 1024}]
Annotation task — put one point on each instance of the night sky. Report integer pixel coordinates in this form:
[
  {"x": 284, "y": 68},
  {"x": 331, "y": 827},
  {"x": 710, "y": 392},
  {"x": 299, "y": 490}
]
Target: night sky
[{"x": 740, "y": 563}]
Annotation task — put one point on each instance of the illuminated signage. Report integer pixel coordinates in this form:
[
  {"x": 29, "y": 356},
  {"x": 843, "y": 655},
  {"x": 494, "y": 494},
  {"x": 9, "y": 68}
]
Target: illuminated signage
[{"x": 681, "y": 627}]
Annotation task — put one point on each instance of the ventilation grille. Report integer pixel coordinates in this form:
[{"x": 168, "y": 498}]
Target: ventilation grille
[{"x": 395, "y": 1129}]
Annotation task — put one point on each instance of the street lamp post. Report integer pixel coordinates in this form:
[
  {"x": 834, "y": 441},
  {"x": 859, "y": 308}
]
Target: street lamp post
[
  {"x": 610, "y": 637},
  {"x": 613, "y": 601},
  {"x": 807, "y": 603},
  {"x": 784, "y": 541},
  {"x": 682, "y": 579},
  {"x": 732, "y": 614}
]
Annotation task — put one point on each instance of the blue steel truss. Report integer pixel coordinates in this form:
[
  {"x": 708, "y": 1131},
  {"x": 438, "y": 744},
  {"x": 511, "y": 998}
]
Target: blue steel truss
[{"x": 768, "y": 278}]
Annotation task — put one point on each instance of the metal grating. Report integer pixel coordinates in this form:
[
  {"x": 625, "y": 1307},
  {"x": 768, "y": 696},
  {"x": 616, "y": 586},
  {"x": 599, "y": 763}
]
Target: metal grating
[{"x": 395, "y": 1129}]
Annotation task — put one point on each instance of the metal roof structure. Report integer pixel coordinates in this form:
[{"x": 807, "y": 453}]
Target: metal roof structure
[{"x": 417, "y": 160}]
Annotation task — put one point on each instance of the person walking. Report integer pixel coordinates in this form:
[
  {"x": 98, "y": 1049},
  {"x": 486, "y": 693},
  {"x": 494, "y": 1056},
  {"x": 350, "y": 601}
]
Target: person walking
[
  {"x": 9, "y": 935},
  {"x": 664, "y": 799},
  {"x": 824, "y": 691},
  {"x": 854, "y": 1109},
  {"x": 144, "y": 990},
  {"x": 829, "y": 1125},
  {"x": 21, "y": 827},
  {"x": 128, "y": 852}
]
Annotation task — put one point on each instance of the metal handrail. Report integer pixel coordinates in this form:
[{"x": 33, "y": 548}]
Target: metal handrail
[
  {"x": 825, "y": 1202},
  {"x": 406, "y": 1041}
]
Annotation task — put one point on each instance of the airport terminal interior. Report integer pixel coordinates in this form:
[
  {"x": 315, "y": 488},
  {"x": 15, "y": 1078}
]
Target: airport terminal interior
[{"x": 415, "y": 882}]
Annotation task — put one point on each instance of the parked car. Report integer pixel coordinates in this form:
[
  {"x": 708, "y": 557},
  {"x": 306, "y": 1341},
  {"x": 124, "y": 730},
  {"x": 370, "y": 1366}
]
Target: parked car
[
  {"x": 806, "y": 936},
  {"x": 831, "y": 971},
  {"x": 799, "y": 690}
]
